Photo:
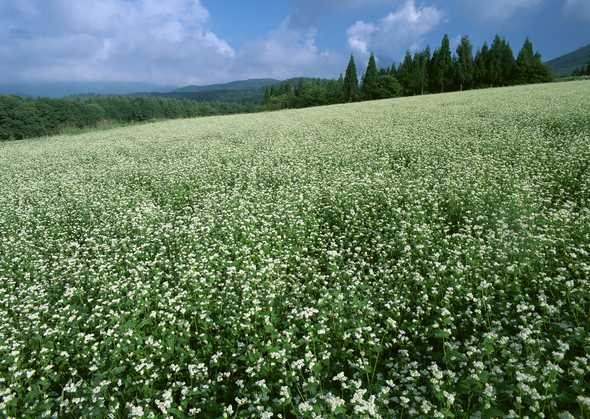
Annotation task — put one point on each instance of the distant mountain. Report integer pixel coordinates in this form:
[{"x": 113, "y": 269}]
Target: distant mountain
[
  {"x": 231, "y": 86},
  {"x": 242, "y": 91},
  {"x": 566, "y": 64},
  {"x": 62, "y": 89}
]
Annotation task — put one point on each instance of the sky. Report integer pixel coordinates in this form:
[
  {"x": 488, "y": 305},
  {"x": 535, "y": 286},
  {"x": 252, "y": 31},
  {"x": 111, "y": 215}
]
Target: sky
[{"x": 180, "y": 42}]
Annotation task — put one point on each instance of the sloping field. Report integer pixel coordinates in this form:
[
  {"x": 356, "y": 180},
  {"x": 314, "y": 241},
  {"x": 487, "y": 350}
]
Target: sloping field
[{"x": 421, "y": 256}]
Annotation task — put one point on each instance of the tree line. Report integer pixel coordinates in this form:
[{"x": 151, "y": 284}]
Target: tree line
[
  {"x": 35, "y": 117},
  {"x": 419, "y": 73},
  {"x": 582, "y": 71}
]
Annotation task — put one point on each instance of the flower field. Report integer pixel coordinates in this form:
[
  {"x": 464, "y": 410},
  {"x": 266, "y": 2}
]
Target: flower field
[{"x": 416, "y": 257}]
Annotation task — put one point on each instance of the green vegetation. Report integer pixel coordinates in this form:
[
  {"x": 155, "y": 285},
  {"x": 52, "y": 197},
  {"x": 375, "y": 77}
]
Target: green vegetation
[
  {"x": 582, "y": 71},
  {"x": 569, "y": 63},
  {"x": 24, "y": 118},
  {"x": 423, "y": 256},
  {"x": 350, "y": 84},
  {"x": 244, "y": 91},
  {"x": 419, "y": 73}
]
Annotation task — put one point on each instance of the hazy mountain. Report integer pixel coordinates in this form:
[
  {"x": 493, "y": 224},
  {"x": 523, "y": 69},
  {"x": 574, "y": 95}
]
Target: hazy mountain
[
  {"x": 241, "y": 91},
  {"x": 62, "y": 89},
  {"x": 566, "y": 64},
  {"x": 234, "y": 85}
]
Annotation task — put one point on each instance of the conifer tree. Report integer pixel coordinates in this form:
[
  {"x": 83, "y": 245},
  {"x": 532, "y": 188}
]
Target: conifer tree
[
  {"x": 405, "y": 74},
  {"x": 501, "y": 64},
  {"x": 370, "y": 87},
  {"x": 421, "y": 64},
  {"x": 442, "y": 66},
  {"x": 351, "y": 82},
  {"x": 529, "y": 66},
  {"x": 482, "y": 75},
  {"x": 464, "y": 66}
]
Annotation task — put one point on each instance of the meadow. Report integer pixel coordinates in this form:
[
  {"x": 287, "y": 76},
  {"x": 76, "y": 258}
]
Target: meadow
[{"x": 416, "y": 257}]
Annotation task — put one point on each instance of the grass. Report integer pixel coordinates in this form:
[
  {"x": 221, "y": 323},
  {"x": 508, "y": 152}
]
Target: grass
[{"x": 423, "y": 256}]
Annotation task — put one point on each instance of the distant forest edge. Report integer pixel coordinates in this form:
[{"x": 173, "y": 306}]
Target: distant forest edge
[{"x": 419, "y": 73}]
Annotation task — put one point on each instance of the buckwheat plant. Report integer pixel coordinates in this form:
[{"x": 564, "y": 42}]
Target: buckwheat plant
[{"x": 417, "y": 257}]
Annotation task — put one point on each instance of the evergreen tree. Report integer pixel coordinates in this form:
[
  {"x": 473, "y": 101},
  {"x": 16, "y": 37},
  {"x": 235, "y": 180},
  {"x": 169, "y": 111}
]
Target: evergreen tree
[
  {"x": 464, "y": 65},
  {"x": 350, "y": 91},
  {"x": 370, "y": 88},
  {"x": 442, "y": 66},
  {"x": 501, "y": 64},
  {"x": 494, "y": 62},
  {"x": 582, "y": 71},
  {"x": 388, "y": 86},
  {"x": 421, "y": 65},
  {"x": 508, "y": 64},
  {"x": 529, "y": 66},
  {"x": 405, "y": 74},
  {"x": 481, "y": 70}
]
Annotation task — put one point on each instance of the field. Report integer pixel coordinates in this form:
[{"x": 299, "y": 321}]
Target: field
[{"x": 423, "y": 256}]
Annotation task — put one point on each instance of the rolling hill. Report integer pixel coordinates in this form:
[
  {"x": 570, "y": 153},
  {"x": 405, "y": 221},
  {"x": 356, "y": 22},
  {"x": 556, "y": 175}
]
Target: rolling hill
[
  {"x": 342, "y": 258},
  {"x": 240, "y": 85},
  {"x": 241, "y": 91},
  {"x": 566, "y": 64}
]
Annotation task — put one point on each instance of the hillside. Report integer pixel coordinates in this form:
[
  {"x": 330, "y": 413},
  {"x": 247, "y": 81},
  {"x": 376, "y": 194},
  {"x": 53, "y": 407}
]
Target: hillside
[
  {"x": 251, "y": 84},
  {"x": 242, "y": 91},
  {"x": 566, "y": 64},
  {"x": 63, "y": 89},
  {"x": 378, "y": 259}
]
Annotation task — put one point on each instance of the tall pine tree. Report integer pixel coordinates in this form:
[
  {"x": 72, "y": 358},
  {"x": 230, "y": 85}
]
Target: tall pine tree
[
  {"x": 351, "y": 83},
  {"x": 370, "y": 88},
  {"x": 421, "y": 65},
  {"x": 442, "y": 66},
  {"x": 405, "y": 74},
  {"x": 481, "y": 71},
  {"x": 464, "y": 66},
  {"x": 529, "y": 66}
]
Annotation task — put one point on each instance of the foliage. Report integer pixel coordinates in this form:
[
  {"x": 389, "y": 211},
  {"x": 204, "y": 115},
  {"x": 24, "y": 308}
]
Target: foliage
[
  {"x": 441, "y": 77},
  {"x": 350, "y": 87},
  {"x": 464, "y": 64},
  {"x": 420, "y": 257},
  {"x": 582, "y": 71},
  {"x": 420, "y": 73},
  {"x": 25, "y": 117},
  {"x": 529, "y": 66},
  {"x": 370, "y": 88}
]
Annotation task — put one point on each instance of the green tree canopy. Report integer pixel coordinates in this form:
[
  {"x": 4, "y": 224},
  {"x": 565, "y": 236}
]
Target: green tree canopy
[
  {"x": 351, "y": 83},
  {"x": 370, "y": 87},
  {"x": 464, "y": 65}
]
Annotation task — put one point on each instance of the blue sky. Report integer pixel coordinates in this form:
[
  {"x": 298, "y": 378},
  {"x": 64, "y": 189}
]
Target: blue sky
[{"x": 176, "y": 42}]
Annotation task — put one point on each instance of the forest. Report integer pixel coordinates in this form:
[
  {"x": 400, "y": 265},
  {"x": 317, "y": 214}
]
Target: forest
[
  {"x": 35, "y": 117},
  {"x": 419, "y": 73}
]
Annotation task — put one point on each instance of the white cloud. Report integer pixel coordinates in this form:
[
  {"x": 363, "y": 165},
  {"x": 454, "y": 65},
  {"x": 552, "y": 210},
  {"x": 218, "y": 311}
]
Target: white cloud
[
  {"x": 400, "y": 30},
  {"x": 579, "y": 9},
  {"x": 107, "y": 40},
  {"x": 285, "y": 52},
  {"x": 496, "y": 10},
  {"x": 155, "y": 41},
  {"x": 308, "y": 13}
]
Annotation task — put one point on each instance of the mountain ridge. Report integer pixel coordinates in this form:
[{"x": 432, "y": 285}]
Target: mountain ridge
[{"x": 566, "y": 64}]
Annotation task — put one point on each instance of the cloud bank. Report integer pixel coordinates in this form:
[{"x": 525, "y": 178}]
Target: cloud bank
[
  {"x": 402, "y": 29},
  {"x": 143, "y": 40},
  {"x": 172, "y": 41},
  {"x": 166, "y": 42}
]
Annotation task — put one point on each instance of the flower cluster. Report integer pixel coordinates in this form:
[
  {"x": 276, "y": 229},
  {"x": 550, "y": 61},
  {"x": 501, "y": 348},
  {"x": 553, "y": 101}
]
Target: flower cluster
[{"x": 414, "y": 257}]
